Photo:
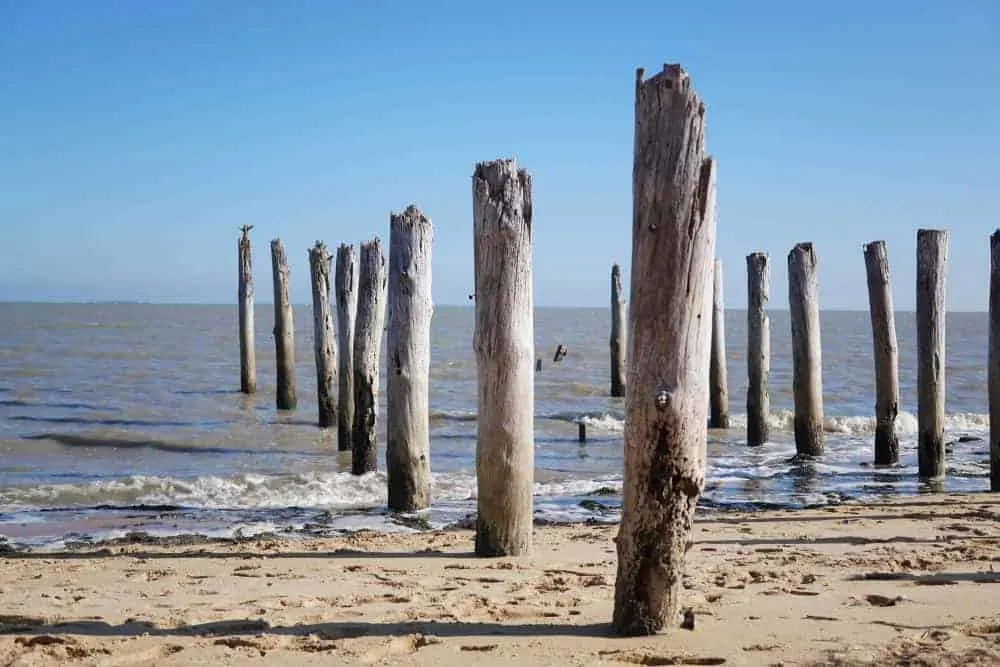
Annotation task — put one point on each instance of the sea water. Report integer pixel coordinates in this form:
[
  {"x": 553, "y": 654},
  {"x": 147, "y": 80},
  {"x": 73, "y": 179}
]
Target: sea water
[{"x": 124, "y": 418}]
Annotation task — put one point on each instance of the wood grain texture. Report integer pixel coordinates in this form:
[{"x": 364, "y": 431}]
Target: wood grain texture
[
  {"x": 758, "y": 349},
  {"x": 346, "y": 288},
  {"x": 505, "y": 352},
  {"x": 324, "y": 338},
  {"x": 807, "y": 351},
  {"x": 885, "y": 352},
  {"x": 673, "y": 247},
  {"x": 248, "y": 357},
  {"x": 367, "y": 349},
  {"x": 408, "y": 349},
  {"x": 284, "y": 330},
  {"x": 932, "y": 262}
]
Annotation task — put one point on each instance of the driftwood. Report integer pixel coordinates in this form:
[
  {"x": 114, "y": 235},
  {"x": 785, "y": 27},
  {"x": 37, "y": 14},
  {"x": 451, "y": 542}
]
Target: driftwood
[
  {"x": 408, "y": 350},
  {"x": 673, "y": 246},
  {"x": 505, "y": 349}
]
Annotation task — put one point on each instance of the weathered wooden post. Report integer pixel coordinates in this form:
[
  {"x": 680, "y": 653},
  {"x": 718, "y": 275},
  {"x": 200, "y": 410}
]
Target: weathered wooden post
[
  {"x": 758, "y": 349},
  {"x": 284, "y": 329},
  {"x": 994, "y": 361},
  {"x": 885, "y": 353},
  {"x": 717, "y": 381},
  {"x": 345, "y": 284},
  {"x": 617, "y": 333},
  {"x": 323, "y": 336},
  {"x": 408, "y": 349},
  {"x": 248, "y": 360},
  {"x": 581, "y": 432},
  {"x": 666, "y": 401},
  {"x": 505, "y": 350},
  {"x": 932, "y": 261},
  {"x": 807, "y": 365},
  {"x": 367, "y": 347}
]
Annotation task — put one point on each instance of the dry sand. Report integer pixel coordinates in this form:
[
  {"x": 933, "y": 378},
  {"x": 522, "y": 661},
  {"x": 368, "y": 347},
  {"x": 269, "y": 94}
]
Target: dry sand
[{"x": 907, "y": 582}]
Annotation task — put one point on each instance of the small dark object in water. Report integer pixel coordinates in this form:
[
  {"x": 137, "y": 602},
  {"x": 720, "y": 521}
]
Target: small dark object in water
[
  {"x": 560, "y": 353},
  {"x": 969, "y": 438}
]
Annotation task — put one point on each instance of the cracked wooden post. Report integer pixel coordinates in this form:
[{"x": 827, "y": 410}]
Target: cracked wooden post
[
  {"x": 408, "y": 350},
  {"x": 367, "y": 347},
  {"x": 885, "y": 352},
  {"x": 994, "y": 361},
  {"x": 505, "y": 352},
  {"x": 323, "y": 336},
  {"x": 666, "y": 401},
  {"x": 932, "y": 261},
  {"x": 345, "y": 285},
  {"x": 617, "y": 333},
  {"x": 248, "y": 360},
  {"x": 758, "y": 349},
  {"x": 284, "y": 330},
  {"x": 717, "y": 381},
  {"x": 807, "y": 355}
]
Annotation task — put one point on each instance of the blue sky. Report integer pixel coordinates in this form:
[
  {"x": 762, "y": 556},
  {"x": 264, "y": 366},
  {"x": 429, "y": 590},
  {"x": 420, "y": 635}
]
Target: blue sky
[{"x": 135, "y": 138}]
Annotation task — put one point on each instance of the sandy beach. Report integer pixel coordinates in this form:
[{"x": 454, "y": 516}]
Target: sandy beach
[{"x": 911, "y": 581}]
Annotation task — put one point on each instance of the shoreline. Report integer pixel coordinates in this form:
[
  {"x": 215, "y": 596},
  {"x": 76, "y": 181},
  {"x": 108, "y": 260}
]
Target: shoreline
[{"x": 878, "y": 583}]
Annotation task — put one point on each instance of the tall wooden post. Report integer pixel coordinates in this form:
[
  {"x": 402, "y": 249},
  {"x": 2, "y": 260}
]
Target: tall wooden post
[
  {"x": 666, "y": 426},
  {"x": 345, "y": 284},
  {"x": 807, "y": 365},
  {"x": 408, "y": 349},
  {"x": 994, "y": 361},
  {"x": 885, "y": 353},
  {"x": 248, "y": 360},
  {"x": 718, "y": 385},
  {"x": 758, "y": 349},
  {"x": 284, "y": 329},
  {"x": 932, "y": 261},
  {"x": 617, "y": 333},
  {"x": 323, "y": 336},
  {"x": 505, "y": 351},
  {"x": 367, "y": 347}
]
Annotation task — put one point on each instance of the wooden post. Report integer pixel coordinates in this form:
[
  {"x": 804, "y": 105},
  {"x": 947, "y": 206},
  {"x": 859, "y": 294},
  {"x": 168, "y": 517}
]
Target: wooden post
[
  {"x": 807, "y": 360},
  {"x": 885, "y": 353},
  {"x": 581, "y": 432},
  {"x": 248, "y": 360},
  {"x": 994, "y": 361},
  {"x": 345, "y": 284},
  {"x": 717, "y": 382},
  {"x": 284, "y": 329},
  {"x": 666, "y": 401},
  {"x": 758, "y": 349},
  {"x": 932, "y": 261},
  {"x": 367, "y": 347},
  {"x": 408, "y": 349},
  {"x": 323, "y": 336},
  {"x": 617, "y": 333},
  {"x": 505, "y": 348}
]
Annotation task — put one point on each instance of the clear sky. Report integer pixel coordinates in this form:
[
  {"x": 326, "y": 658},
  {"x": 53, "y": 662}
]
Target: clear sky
[{"x": 136, "y": 137}]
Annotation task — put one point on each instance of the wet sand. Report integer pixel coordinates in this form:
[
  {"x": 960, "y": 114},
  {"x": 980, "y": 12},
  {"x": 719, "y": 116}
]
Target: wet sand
[{"x": 908, "y": 582}]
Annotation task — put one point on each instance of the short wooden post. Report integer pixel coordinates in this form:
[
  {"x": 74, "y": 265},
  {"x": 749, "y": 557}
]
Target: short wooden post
[
  {"x": 617, "y": 333},
  {"x": 248, "y": 360},
  {"x": 284, "y": 329},
  {"x": 323, "y": 336},
  {"x": 666, "y": 426},
  {"x": 717, "y": 381},
  {"x": 505, "y": 348},
  {"x": 758, "y": 349},
  {"x": 885, "y": 353},
  {"x": 581, "y": 432},
  {"x": 367, "y": 348},
  {"x": 408, "y": 349},
  {"x": 807, "y": 365},
  {"x": 345, "y": 285},
  {"x": 994, "y": 361},
  {"x": 932, "y": 261}
]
